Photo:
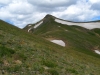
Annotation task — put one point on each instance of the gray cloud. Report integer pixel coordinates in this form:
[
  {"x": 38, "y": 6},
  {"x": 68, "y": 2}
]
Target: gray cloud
[
  {"x": 52, "y": 3},
  {"x": 95, "y": 6},
  {"x": 50, "y": 10}
]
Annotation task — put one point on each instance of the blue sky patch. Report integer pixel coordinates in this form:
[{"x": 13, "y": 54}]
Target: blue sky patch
[
  {"x": 96, "y": 18},
  {"x": 9, "y": 21}
]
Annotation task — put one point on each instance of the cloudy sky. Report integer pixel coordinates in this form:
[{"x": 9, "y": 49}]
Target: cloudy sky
[{"x": 23, "y": 12}]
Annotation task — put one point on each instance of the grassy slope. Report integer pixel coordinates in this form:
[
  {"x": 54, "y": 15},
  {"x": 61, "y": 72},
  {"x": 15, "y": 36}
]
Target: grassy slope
[
  {"x": 96, "y": 31},
  {"x": 23, "y": 53},
  {"x": 76, "y": 37}
]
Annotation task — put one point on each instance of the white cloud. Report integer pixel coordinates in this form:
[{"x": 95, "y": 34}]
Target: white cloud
[
  {"x": 94, "y": 1},
  {"x": 78, "y": 12},
  {"x": 20, "y": 8},
  {"x": 31, "y": 18},
  {"x": 23, "y": 12},
  {"x": 4, "y": 2}
]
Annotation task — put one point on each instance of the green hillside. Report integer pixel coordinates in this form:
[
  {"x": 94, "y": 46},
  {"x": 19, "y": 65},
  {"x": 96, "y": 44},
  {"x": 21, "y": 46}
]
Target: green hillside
[
  {"x": 23, "y": 53},
  {"x": 75, "y": 37}
]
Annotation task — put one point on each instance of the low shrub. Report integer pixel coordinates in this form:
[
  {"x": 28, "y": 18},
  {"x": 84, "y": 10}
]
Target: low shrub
[
  {"x": 6, "y": 51},
  {"x": 53, "y": 72},
  {"x": 49, "y": 63}
]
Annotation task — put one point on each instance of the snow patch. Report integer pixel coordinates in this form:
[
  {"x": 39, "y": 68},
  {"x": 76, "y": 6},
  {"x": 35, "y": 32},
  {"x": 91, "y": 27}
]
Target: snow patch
[
  {"x": 97, "y": 51},
  {"x": 88, "y": 25},
  {"x": 59, "y": 42},
  {"x": 29, "y": 29},
  {"x": 29, "y": 25},
  {"x": 35, "y": 26},
  {"x": 38, "y": 24}
]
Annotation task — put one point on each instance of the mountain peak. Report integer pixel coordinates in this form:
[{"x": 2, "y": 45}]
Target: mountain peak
[{"x": 48, "y": 16}]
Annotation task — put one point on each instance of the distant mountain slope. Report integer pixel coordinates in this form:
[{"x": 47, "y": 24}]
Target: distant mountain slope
[
  {"x": 77, "y": 37},
  {"x": 24, "y": 53}
]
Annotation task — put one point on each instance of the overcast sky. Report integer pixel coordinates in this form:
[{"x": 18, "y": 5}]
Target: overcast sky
[{"x": 23, "y": 12}]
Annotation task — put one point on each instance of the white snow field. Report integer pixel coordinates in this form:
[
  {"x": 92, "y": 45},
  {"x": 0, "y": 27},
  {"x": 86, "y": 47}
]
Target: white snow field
[
  {"x": 38, "y": 24},
  {"x": 88, "y": 25},
  {"x": 97, "y": 51},
  {"x": 59, "y": 42}
]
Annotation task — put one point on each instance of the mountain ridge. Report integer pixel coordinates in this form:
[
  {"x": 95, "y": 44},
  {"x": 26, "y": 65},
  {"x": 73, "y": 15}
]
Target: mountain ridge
[
  {"x": 87, "y": 25},
  {"x": 49, "y": 15}
]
